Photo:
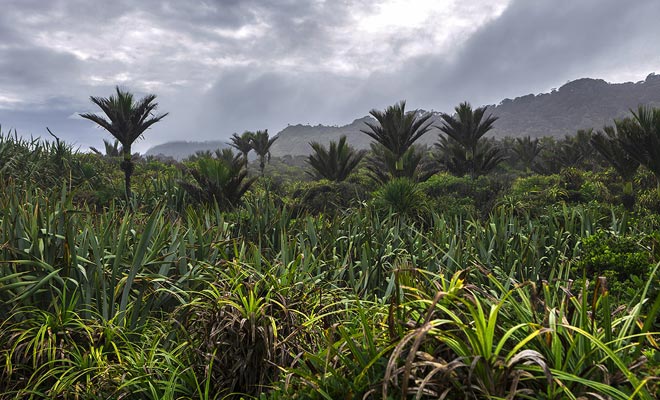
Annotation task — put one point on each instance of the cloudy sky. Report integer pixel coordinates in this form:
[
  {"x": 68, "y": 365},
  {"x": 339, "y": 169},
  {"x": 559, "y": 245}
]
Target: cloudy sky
[{"x": 224, "y": 66}]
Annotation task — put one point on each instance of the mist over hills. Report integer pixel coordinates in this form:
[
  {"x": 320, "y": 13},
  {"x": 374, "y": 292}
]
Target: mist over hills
[{"x": 579, "y": 104}]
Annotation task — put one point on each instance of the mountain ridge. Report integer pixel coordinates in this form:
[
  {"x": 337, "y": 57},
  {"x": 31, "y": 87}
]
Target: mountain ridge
[{"x": 579, "y": 104}]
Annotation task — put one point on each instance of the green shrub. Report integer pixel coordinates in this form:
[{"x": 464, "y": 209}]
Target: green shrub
[
  {"x": 614, "y": 256},
  {"x": 533, "y": 193},
  {"x": 649, "y": 201},
  {"x": 327, "y": 197},
  {"x": 582, "y": 186},
  {"x": 478, "y": 194},
  {"x": 402, "y": 196}
]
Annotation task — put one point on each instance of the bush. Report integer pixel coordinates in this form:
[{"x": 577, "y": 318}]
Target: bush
[
  {"x": 582, "y": 186},
  {"x": 535, "y": 192},
  {"x": 479, "y": 194},
  {"x": 614, "y": 256},
  {"x": 649, "y": 200},
  {"x": 327, "y": 197},
  {"x": 402, "y": 196}
]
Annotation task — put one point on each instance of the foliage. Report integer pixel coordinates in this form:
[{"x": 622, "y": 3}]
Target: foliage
[
  {"x": 242, "y": 143},
  {"x": 617, "y": 256},
  {"x": 641, "y": 139},
  {"x": 402, "y": 196},
  {"x": 571, "y": 151},
  {"x": 261, "y": 143},
  {"x": 453, "y": 157},
  {"x": 327, "y": 197},
  {"x": 396, "y": 131},
  {"x": 463, "y": 149},
  {"x": 413, "y": 164},
  {"x": 526, "y": 151},
  {"x": 221, "y": 180},
  {"x": 607, "y": 143},
  {"x": 126, "y": 120},
  {"x": 334, "y": 163},
  {"x": 111, "y": 149},
  {"x": 448, "y": 191},
  {"x": 398, "y": 297}
]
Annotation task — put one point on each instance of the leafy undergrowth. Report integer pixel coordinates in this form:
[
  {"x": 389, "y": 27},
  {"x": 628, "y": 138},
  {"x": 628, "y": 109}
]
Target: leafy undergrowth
[{"x": 370, "y": 303}]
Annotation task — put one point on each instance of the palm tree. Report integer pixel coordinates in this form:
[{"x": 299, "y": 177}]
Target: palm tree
[
  {"x": 242, "y": 143},
  {"x": 527, "y": 150},
  {"x": 452, "y": 155},
  {"x": 334, "y": 163},
  {"x": 397, "y": 130},
  {"x": 606, "y": 142},
  {"x": 222, "y": 179},
  {"x": 412, "y": 165},
  {"x": 641, "y": 139},
  {"x": 467, "y": 128},
  {"x": 261, "y": 143},
  {"x": 126, "y": 121},
  {"x": 112, "y": 149}
]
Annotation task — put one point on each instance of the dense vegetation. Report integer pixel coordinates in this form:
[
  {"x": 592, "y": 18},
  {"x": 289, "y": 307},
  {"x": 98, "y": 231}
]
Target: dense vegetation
[{"x": 477, "y": 269}]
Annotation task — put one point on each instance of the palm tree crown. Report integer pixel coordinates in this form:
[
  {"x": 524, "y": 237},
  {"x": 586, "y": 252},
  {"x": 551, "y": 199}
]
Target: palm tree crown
[
  {"x": 397, "y": 130},
  {"x": 261, "y": 143},
  {"x": 112, "y": 149},
  {"x": 527, "y": 150},
  {"x": 467, "y": 127},
  {"x": 126, "y": 120},
  {"x": 334, "y": 163},
  {"x": 221, "y": 179},
  {"x": 606, "y": 142},
  {"x": 242, "y": 143}
]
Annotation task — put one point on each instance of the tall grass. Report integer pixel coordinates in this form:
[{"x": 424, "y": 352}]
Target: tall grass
[{"x": 177, "y": 302}]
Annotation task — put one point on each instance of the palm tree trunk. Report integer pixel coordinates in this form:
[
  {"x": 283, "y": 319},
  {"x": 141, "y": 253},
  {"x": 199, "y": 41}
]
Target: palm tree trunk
[
  {"x": 127, "y": 166},
  {"x": 470, "y": 159}
]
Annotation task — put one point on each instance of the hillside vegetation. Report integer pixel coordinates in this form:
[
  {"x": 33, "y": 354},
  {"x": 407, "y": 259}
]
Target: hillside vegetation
[{"x": 472, "y": 269}]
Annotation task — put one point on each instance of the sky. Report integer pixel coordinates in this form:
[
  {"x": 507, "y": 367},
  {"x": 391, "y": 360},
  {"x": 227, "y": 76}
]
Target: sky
[{"x": 224, "y": 66}]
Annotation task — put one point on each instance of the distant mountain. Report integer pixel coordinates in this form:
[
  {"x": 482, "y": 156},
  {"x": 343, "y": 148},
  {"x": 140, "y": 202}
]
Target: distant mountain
[
  {"x": 580, "y": 104},
  {"x": 181, "y": 149}
]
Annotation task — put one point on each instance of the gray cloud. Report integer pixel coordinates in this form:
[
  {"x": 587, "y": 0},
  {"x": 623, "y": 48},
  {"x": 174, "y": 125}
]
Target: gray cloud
[
  {"x": 536, "y": 45},
  {"x": 225, "y": 66},
  {"x": 25, "y": 67}
]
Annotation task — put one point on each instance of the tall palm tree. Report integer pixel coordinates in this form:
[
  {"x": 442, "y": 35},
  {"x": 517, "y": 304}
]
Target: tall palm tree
[
  {"x": 242, "y": 143},
  {"x": 126, "y": 121},
  {"x": 397, "y": 130},
  {"x": 261, "y": 143},
  {"x": 467, "y": 127},
  {"x": 334, "y": 163}
]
